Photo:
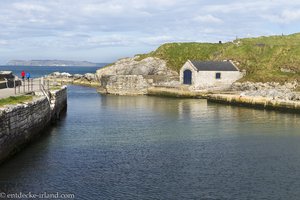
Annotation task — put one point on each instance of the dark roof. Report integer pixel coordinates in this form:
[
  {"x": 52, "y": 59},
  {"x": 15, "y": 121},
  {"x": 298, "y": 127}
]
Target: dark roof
[{"x": 214, "y": 66}]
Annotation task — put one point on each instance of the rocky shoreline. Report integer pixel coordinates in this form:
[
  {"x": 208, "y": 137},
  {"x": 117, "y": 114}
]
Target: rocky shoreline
[
  {"x": 272, "y": 90},
  {"x": 61, "y": 78},
  {"x": 131, "y": 76}
]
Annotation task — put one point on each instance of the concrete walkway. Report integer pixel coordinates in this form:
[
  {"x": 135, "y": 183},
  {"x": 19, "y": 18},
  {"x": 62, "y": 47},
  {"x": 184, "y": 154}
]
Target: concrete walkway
[{"x": 7, "y": 92}]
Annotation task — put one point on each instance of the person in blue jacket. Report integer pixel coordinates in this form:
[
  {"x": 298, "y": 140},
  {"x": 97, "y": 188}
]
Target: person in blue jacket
[{"x": 28, "y": 75}]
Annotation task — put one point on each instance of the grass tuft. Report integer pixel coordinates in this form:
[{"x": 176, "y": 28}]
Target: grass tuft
[{"x": 14, "y": 100}]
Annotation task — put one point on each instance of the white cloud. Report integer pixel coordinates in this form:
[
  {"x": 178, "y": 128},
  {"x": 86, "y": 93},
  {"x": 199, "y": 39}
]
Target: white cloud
[
  {"x": 252, "y": 8},
  {"x": 156, "y": 40},
  {"x": 207, "y": 19},
  {"x": 29, "y": 7},
  {"x": 102, "y": 8},
  {"x": 3, "y": 42},
  {"x": 36, "y": 25},
  {"x": 108, "y": 40},
  {"x": 286, "y": 17}
]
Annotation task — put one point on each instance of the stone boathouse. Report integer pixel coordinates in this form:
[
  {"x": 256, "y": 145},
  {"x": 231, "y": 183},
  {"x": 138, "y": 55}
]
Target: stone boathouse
[{"x": 209, "y": 74}]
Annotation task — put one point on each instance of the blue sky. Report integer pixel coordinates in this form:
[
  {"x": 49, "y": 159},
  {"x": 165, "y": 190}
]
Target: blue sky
[{"x": 103, "y": 31}]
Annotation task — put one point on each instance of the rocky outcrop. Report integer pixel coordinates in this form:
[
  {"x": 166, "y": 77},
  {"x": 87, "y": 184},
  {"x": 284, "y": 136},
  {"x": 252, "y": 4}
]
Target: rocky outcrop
[
  {"x": 88, "y": 79},
  {"x": 125, "y": 84},
  {"x": 131, "y": 77},
  {"x": 264, "y": 86},
  {"x": 130, "y": 66},
  {"x": 88, "y": 76},
  {"x": 271, "y": 90}
]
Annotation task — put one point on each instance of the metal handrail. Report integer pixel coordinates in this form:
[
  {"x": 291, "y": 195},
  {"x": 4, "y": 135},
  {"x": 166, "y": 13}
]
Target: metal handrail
[
  {"x": 43, "y": 87},
  {"x": 44, "y": 91},
  {"x": 6, "y": 82}
]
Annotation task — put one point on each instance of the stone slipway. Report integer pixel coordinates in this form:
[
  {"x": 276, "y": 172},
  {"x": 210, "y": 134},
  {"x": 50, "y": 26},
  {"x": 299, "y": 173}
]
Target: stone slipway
[{"x": 20, "y": 124}]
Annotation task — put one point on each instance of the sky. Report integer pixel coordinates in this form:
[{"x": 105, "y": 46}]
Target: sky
[{"x": 104, "y": 31}]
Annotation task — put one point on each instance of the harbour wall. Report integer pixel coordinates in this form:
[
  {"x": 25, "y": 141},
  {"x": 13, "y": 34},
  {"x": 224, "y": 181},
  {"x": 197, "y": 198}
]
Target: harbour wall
[
  {"x": 20, "y": 124},
  {"x": 256, "y": 102},
  {"x": 233, "y": 99}
]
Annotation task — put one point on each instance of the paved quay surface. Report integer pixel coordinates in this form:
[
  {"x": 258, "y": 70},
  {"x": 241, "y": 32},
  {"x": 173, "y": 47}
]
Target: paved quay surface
[{"x": 7, "y": 92}]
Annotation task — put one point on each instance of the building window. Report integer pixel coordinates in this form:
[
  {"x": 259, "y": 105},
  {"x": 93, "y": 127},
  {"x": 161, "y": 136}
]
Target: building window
[{"x": 218, "y": 75}]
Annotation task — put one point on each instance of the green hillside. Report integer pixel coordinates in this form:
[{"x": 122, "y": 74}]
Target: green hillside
[{"x": 274, "y": 58}]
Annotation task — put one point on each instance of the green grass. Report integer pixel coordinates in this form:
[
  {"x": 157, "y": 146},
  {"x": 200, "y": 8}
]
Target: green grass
[
  {"x": 14, "y": 100},
  {"x": 261, "y": 57},
  {"x": 55, "y": 87}
]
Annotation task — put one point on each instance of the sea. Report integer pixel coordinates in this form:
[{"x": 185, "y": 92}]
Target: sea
[{"x": 39, "y": 71}]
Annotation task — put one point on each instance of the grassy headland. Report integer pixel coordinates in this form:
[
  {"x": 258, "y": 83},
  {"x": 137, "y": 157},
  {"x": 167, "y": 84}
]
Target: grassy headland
[{"x": 265, "y": 59}]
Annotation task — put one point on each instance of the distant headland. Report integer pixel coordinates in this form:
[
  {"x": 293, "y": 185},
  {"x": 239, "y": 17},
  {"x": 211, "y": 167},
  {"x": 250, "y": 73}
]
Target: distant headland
[{"x": 62, "y": 63}]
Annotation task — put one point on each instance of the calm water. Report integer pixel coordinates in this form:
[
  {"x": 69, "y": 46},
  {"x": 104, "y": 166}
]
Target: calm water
[
  {"x": 44, "y": 70},
  {"x": 113, "y": 147}
]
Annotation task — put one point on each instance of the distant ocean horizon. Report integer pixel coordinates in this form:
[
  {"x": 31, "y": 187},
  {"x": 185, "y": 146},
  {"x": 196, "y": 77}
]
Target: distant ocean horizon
[{"x": 38, "y": 71}]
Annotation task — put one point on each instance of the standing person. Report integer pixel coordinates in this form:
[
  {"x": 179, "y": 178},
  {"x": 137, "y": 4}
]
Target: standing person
[
  {"x": 28, "y": 76},
  {"x": 23, "y": 75}
]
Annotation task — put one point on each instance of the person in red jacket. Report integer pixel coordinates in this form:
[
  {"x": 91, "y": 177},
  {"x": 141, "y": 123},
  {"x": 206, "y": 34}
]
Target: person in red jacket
[{"x": 23, "y": 75}]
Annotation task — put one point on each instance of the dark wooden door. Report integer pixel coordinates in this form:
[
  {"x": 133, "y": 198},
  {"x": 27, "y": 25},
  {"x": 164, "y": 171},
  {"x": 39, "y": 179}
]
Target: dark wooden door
[{"x": 187, "y": 77}]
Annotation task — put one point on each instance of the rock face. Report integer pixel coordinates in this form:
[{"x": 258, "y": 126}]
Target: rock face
[
  {"x": 125, "y": 84},
  {"x": 270, "y": 90},
  {"x": 65, "y": 75},
  {"x": 60, "y": 78},
  {"x": 131, "y": 77}
]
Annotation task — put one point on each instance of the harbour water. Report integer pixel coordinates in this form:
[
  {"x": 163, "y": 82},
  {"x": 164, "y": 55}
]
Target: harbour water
[{"x": 118, "y": 147}]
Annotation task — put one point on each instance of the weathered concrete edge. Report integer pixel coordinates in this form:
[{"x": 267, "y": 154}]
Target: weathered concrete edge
[
  {"x": 232, "y": 99},
  {"x": 174, "y": 92},
  {"x": 20, "y": 124},
  {"x": 256, "y": 102}
]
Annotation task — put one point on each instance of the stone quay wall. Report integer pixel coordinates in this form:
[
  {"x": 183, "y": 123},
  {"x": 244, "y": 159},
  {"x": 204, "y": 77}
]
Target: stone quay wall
[
  {"x": 58, "y": 100},
  {"x": 257, "y": 102},
  {"x": 19, "y": 124}
]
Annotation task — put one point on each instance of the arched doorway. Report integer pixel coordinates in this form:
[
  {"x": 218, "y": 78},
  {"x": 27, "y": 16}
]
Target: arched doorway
[{"x": 187, "y": 77}]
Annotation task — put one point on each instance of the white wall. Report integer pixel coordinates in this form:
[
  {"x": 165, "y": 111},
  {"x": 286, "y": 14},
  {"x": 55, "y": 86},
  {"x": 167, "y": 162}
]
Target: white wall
[{"x": 207, "y": 79}]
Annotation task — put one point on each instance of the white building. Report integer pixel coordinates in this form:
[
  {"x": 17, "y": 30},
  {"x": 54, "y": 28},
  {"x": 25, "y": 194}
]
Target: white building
[{"x": 209, "y": 74}]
